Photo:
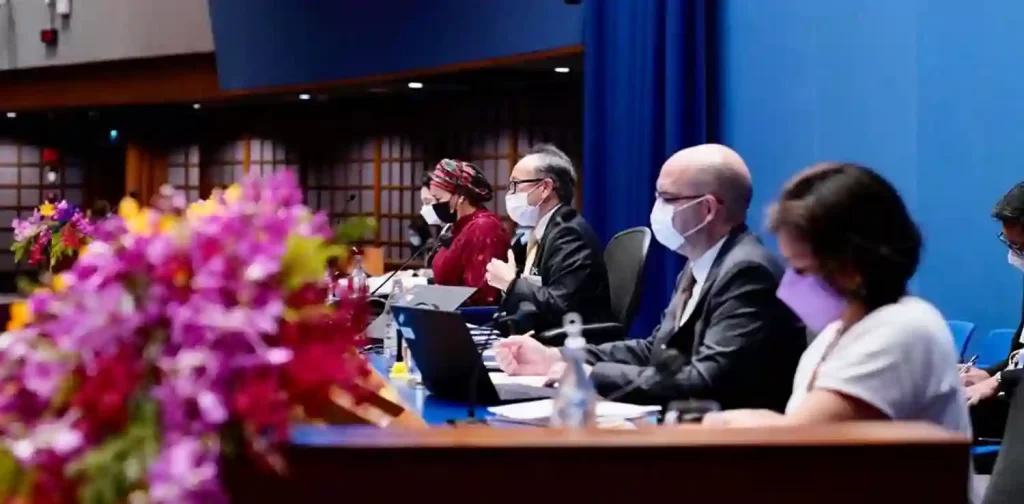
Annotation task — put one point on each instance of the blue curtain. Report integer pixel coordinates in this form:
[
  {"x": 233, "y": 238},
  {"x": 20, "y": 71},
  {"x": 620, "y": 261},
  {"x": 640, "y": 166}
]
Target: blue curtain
[{"x": 648, "y": 71}]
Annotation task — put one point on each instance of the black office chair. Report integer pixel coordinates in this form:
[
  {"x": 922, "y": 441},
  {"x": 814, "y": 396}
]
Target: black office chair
[
  {"x": 624, "y": 257},
  {"x": 1006, "y": 485}
]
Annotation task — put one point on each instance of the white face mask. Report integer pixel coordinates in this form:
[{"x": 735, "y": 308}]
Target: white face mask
[
  {"x": 519, "y": 209},
  {"x": 429, "y": 215},
  {"x": 661, "y": 224},
  {"x": 1016, "y": 260}
]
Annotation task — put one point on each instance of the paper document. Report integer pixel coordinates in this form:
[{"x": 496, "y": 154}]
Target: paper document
[
  {"x": 536, "y": 410},
  {"x": 408, "y": 280},
  {"x": 504, "y": 379}
]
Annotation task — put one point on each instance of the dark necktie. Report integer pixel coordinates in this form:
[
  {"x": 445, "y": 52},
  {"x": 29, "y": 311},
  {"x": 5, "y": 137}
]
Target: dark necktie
[{"x": 685, "y": 291}]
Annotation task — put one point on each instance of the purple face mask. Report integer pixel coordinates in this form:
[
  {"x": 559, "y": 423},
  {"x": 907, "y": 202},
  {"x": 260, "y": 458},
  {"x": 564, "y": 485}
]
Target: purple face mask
[{"x": 811, "y": 299}]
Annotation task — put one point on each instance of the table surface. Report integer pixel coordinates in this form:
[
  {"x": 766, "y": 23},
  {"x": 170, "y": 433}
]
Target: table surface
[{"x": 435, "y": 411}]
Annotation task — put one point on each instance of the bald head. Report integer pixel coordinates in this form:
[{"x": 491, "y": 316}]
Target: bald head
[{"x": 709, "y": 169}]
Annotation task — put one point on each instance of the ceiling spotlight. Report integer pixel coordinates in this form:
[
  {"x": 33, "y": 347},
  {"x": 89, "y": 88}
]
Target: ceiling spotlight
[
  {"x": 304, "y": 96},
  {"x": 12, "y": 115},
  {"x": 196, "y": 106},
  {"x": 561, "y": 69},
  {"x": 415, "y": 85}
]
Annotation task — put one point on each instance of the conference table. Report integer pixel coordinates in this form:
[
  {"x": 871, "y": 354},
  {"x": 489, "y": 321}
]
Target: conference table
[{"x": 839, "y": 463}]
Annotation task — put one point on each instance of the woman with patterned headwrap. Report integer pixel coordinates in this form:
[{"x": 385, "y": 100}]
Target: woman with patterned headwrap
[{"x": 477, "y": 234}]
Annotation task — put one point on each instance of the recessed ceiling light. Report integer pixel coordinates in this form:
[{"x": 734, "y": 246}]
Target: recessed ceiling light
[
  {"x": 304, "y": 96},
  {"x": 196, "y": 106},
  {"x": 12, "y": 115},
  {"x": 415, "y": 85},
  {"x": 561, "y": 69}
]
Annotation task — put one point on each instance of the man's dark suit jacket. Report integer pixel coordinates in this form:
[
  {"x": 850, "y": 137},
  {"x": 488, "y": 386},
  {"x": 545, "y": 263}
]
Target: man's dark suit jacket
[
  {"x": 740, "y": 344},
  {"x": 1011, "y": 377},
  {"x": 570, "y": 264}
]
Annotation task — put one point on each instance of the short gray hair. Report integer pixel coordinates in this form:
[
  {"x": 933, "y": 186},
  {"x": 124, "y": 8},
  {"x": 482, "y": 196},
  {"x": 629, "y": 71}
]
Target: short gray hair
[{"x": 552, "y": 163}]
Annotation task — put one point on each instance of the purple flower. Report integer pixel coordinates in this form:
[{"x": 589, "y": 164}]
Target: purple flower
[
  {"x": 44, "y": 373},
  {"x": 185, "y": 472}
]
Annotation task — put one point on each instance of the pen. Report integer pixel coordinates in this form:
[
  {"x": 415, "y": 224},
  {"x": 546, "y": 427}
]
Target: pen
[{"x": 969, "y": 364}]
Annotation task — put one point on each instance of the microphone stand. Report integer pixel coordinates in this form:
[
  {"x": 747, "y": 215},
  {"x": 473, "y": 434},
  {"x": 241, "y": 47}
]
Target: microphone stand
[
  {"x": 403, "y": 266},
  {"x": 471, "y": 409}
]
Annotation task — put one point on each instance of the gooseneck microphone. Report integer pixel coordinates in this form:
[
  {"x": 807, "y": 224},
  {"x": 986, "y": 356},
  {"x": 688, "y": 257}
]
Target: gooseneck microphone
[
  {"x": 344, "y": 206},
  {"x": 669, "y": 364},
  {"x": 526, "y": 309},
  {"x": 419, "y": 253}
]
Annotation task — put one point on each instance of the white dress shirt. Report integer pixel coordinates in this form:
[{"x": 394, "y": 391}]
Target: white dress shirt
[
  {"x": 538, "y": 233},
  {"x": 700, "y": 269}
]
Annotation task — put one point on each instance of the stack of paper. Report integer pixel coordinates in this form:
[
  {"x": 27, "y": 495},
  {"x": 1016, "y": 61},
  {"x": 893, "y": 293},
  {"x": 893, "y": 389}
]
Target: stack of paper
[{"x": 538, "y": 410}]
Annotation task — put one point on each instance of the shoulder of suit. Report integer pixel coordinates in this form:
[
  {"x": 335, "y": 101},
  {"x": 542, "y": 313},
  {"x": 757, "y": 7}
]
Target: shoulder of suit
[{"x": 749, "y": 253}]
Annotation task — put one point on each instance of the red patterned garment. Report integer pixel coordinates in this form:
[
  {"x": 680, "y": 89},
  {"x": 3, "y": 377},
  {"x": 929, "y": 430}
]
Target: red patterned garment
[{"x": 476, "y": 239}]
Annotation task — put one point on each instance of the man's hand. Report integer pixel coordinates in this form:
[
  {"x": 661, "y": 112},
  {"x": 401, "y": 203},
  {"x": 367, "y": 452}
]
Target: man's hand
[
  {"x": 558, "y": 369},
  {"x": 982, "y": 390},
  {"x": 970, "y": 375},
  {"x": 743, "y": 418},
  {"x": 523, "y": 355},
  {"x": 500, "y": 274}
]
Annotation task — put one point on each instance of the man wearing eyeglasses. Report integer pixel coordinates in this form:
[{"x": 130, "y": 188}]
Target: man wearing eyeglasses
[
  {"x": 988, "y": 410},
  {"x": 738, "y": 342},
  {"x": 562, "y": 270}
]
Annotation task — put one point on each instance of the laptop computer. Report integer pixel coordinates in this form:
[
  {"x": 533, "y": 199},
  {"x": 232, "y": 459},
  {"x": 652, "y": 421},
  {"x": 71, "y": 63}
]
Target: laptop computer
[
  {"x": 439, "y": 297},
  {"x": 449, "y": 361}
]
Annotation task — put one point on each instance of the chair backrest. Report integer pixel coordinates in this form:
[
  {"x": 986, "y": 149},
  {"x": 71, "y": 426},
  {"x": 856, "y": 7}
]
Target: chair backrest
[
  {"x": 1006, "y": 486},
  {"x": 624, "y": 257},
  {"x": 962, "y": 331},
  {"x": 991, "y": 348}
]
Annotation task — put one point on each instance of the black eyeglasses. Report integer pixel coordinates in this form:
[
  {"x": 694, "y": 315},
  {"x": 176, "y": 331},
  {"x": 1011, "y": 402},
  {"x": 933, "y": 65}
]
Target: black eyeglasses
[
  {"x": 513, "y": 185},
  {"x": 1012, "y": 246},
  {"x": 671, "y": 200}
]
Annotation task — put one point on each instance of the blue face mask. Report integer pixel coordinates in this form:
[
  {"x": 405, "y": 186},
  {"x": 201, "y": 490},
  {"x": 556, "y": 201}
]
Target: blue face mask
[{"x": 811, "y": 299}]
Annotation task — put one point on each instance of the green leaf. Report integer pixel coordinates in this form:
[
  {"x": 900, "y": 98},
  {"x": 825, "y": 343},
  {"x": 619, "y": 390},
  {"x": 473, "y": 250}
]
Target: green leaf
[
  {"x": 26, "y": 285},
  {"x": 19, "y": 249},
  {"x": 56, "y": 247},
  {"x": 354, "y": 229},
  {"x": 111, "y": 470},
  {"x": 11, "y": 474},
  {"x": 305, "y": 260}
]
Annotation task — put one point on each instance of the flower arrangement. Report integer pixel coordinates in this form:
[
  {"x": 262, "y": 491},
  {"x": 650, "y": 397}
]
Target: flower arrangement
[
  {"x": 53, "y": 232},
  {"x": 178, "y": 336}
]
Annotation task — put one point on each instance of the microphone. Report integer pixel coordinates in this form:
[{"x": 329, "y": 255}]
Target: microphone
[
  {"x": 668, "y": 365},
  {"x": 405, "y": 264},
  {"x": 526, "y": 309},
  {"x": 559, "y": 333},
  {"x": 348, "y": 200}
]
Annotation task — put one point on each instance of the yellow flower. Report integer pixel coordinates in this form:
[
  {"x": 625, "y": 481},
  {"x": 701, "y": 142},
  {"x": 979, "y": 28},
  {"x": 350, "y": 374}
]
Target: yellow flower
[
  {"x": 233, "y": 193},
  {"x": 202, "y": 208},
  {"x": 20, "y": 316},
  {"x": 59, "y": 283},
  {"x": 46, "y": 209},
  {"x": 128, "y": 208}
]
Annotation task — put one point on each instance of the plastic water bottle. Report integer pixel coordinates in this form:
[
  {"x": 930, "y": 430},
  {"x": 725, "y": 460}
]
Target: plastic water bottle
[
  {"x": 575, "y": 404},
  {"x": 391, "y": 334},
  {"x": 357, "y": 284}
]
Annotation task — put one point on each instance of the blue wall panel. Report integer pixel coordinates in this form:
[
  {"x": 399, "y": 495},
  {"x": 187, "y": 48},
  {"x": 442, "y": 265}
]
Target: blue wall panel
[
  {"x": 262, "y": 43},
  {"x": 928, "y": 92}
]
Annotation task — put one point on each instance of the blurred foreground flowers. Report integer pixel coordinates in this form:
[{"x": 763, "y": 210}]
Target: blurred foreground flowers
[{"x": 178, "y": 330}]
